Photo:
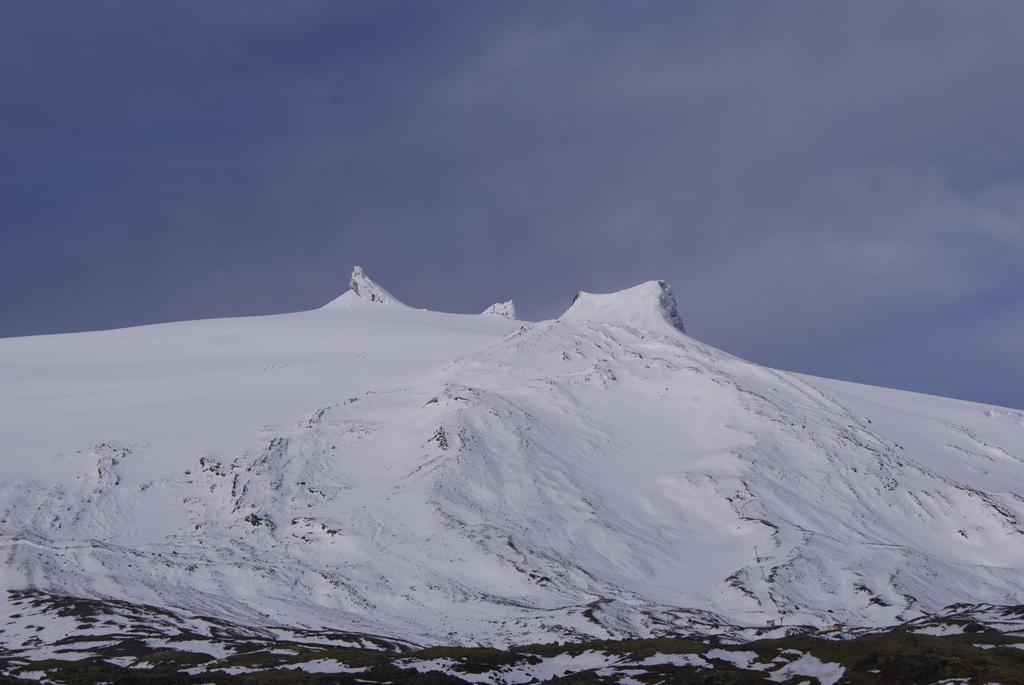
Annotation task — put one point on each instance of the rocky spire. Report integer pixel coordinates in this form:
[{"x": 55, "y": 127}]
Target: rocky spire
[
  {"x": 503, "y": 309},
  {"x": 362, "y": 289}
]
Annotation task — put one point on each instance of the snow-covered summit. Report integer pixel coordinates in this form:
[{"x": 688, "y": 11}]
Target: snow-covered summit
[
  {"x": 648, "y": 306},
  {"x": 466, "y": 479},
  {"x": 505, "y": 309},
  {"x": 361, "y": 288}
]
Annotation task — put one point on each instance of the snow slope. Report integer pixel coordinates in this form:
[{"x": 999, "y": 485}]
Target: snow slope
[{"x": 466, "y": 478}]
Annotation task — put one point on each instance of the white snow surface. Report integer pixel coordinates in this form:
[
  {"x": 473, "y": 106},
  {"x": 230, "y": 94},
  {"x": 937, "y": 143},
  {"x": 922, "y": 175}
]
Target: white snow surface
[
  {"x": 744, "y": 660},
  {"x": 825, "y": 672},
  {"x": 469, "y": 479},
  {"x": 544, "y": 669},
  {"x": 325, "y": 666}
]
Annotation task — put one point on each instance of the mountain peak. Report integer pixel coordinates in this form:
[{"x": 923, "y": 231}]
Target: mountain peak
[
  {"x": 361, "y": 288},
  {"x": 649, "y": 306},
  {"x": 504, "y": 309}
]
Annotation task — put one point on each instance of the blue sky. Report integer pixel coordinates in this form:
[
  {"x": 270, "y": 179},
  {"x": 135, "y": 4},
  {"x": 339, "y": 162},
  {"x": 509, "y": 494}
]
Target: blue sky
[{"x": 834, "y": 188}]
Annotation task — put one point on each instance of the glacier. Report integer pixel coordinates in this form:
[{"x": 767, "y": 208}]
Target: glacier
[{"x": 476, "y": 480}]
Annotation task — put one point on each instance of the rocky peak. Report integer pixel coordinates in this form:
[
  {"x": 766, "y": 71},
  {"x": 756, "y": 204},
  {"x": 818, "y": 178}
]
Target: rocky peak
[
  {"x": 649, "y": 306},
  {"x": 362, "y": 289},
  {"x": 503, "y": 309}
]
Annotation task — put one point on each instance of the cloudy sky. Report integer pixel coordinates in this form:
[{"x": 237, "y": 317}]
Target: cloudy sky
[{"x": 833, "y": 188}]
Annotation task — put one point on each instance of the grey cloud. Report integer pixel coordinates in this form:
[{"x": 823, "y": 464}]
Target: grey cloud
[{"x": 827, "y": 186}]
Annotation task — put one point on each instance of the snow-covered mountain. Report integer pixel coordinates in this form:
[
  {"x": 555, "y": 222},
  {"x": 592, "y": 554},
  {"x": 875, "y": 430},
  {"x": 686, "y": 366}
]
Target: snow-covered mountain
[{"x": 443, "y": 478}]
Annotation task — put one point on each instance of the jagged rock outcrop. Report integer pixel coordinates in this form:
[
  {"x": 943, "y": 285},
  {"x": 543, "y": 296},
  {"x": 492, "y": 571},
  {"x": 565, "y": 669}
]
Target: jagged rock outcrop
[
  {"x": 504, "y": 309},
  {"x": 363, "y": 289}
]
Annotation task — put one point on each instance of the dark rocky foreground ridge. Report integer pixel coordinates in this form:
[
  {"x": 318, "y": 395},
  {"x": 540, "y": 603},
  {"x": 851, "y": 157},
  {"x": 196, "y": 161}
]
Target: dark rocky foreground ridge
[{"x": 117, "y": 642}]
